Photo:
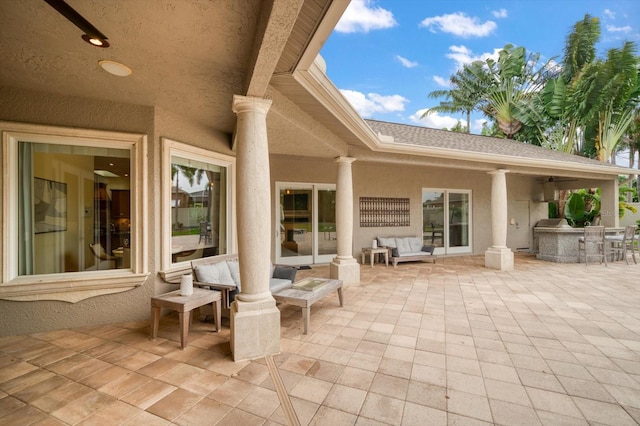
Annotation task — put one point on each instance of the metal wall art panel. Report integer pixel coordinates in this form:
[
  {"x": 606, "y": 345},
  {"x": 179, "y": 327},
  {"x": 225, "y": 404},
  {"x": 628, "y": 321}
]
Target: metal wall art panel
[{"x": 379, "y": 211}]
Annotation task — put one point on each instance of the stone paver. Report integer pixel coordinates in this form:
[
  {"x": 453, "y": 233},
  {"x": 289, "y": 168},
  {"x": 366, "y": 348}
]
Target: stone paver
[{"x": 450, "y": 343}]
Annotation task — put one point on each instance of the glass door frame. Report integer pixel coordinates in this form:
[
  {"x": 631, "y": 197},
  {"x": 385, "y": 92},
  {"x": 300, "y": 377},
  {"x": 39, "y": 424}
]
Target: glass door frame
[
  {"x": 446, "y": 249},
  {"x": 314, "y": 257}
]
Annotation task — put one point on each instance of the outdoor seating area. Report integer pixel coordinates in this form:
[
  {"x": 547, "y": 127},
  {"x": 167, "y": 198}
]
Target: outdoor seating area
[
  {"x": 445, "y": 343},
  {"x": 407, "y": 249},
  {"x": 597, "y": 242}
]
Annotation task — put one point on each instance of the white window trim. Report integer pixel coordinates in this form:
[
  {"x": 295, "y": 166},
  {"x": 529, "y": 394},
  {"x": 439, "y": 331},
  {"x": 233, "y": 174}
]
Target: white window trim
[
  {"x": 172, "y": 148},
  {"x": 73, "y": 286}
]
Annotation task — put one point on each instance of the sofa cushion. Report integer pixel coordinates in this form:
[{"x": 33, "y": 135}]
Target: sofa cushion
[
  {"x": 214, "y": 273},
  {"x": 278, "y": 284},
  {"x": 234, "y": 270},
  {"x": 387, "y": 242},
  {"x": 403, "y": 245},
  {"x": 285, "y": 272},
  {"x": 415, "y": 243}
]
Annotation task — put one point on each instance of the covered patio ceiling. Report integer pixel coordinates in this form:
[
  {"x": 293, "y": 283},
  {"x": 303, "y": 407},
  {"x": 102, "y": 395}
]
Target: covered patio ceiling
[{"x": 188, "y": 57}]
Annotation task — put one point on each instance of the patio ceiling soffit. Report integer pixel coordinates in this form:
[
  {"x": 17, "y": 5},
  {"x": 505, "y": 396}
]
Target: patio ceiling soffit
[{"x": 277, "y": 19}]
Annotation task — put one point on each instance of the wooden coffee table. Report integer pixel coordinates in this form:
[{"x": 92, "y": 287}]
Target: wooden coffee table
[
  {"x": 306, "y": 298},
  {"x": 184, "y": 305}
]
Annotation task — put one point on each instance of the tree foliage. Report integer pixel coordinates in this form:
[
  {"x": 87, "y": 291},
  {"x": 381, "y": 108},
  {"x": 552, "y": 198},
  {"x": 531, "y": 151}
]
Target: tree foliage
[{"x": 584, "y": 105}]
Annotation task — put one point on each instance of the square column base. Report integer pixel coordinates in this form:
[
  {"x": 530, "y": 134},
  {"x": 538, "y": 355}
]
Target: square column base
[
  {"x": 255, "y": 329},
  {"x": 347, "y": 270},
  {"x": 499, "y": 258}
]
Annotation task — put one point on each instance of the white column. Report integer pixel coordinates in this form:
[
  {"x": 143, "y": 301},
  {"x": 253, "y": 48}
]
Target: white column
[
  {"x": 344, "y": 267},
  {"x": 255, "y": 320},
  {"x": 498, "y": 256}
]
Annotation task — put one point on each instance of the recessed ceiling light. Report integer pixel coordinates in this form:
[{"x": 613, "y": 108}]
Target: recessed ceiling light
[
  {"x": 95, "y": 41},
  {"x": 115, "y": 68},
  {"x": 105, "y": 173}
]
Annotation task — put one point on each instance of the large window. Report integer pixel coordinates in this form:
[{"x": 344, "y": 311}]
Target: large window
[
  {"x": 72, "y": 208},
  {"x": 197, "y": 202},
  {"x": 446, "y": 220}
]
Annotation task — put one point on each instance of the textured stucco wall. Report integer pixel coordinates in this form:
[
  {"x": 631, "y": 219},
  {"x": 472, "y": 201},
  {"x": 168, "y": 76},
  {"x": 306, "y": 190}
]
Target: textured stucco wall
[
  {"x": 380, "y": 180},
  {"x": 375, "y": 180},
  {"x": 44, "y": 108}
]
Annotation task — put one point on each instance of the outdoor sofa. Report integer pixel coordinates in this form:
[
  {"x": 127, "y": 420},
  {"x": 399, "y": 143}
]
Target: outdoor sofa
[
  {"x": 222, "y": 273},
  {"x": 407, "y": 249}
]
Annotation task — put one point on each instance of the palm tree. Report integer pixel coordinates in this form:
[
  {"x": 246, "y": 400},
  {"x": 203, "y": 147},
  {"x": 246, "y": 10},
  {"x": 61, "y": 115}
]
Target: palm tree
[
  {"x": 517, "y": 82},
  {"x": 465, "y": 94},
  {"x": 589, "y": 107},
  {"x": 192, "y": 175}
]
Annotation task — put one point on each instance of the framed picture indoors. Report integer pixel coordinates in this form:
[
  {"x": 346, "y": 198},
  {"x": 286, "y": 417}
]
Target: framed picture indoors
[{"x": 49, "y": 205}]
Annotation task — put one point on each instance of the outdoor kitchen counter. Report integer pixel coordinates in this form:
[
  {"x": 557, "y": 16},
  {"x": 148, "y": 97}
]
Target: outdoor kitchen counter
[{"x": 560, "y": 244}]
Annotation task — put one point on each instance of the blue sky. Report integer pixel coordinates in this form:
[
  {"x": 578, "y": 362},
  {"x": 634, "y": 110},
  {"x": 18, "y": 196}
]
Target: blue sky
[{"x": 387, "y": 55}]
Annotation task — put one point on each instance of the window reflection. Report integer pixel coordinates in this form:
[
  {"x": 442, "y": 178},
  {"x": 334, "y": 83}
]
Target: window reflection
[
  {"x": 198, "y": 209},
  {"x": 74, "y": 208}
]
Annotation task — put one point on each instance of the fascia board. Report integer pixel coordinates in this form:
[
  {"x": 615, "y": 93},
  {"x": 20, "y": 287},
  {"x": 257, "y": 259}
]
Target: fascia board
[
  {"x": 503, "y": 160},
  {"x": 318, "y": 84}
]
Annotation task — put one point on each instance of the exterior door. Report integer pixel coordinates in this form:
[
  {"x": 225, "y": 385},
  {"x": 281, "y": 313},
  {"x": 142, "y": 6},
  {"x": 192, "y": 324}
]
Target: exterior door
[
  {"x": 306, "y": 224},
  {"x": 519, "y": 231},
  {"x": 446, "y": 220}
]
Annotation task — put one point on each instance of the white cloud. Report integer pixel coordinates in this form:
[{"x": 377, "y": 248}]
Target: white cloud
[
  {"x": 614, "y": 29},
  {"x": 367, "y": 105},
  {"x": 610, "y": 14},
  {"x": 459, "y": 24},
  {"x": 405, "y": 62},
  {"x": 441, "y": 81},
  {"x": 502, "y": 13},
  {"x": 476, "y": 125},
  {"x": 362, "y": 16},
  {"x": 462, "y": 55},
  {"x": 435, "y": 120}
]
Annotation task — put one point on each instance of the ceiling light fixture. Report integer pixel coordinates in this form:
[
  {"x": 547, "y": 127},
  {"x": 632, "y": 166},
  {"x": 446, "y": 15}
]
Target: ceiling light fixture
[
  {"x": 115, "y": 68},
  {"x": 91, "y": 34}
]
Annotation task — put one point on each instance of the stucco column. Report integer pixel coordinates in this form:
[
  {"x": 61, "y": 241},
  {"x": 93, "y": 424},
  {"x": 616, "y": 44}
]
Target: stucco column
[
  {"x": 255, "y": 320},
  {"x": 344, "y": 267},
  {"x": 609, "y": 204},
  {"x": 499, "y": 256}
]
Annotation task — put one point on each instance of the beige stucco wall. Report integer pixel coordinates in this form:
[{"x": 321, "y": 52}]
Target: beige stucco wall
[
  {"x": 378, "y": 180},
  {"x": 388, "y": 180},
  {"x": 629, "y": 217},
  {"x": 44, "y": 108}
]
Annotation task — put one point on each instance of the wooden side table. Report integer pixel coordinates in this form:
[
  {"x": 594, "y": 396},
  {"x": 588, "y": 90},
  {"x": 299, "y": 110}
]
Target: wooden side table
[
  {"x": 372, "y": 252},
  {"x": 184, "y": 305}
]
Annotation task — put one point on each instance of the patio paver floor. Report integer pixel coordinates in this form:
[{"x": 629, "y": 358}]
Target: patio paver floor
[{"x": 446, "y": 343}]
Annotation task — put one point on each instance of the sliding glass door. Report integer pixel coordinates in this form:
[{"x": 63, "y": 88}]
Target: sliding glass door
[
  {"x": 306, "y": 223},
  {"x": 446, "y": 220}
]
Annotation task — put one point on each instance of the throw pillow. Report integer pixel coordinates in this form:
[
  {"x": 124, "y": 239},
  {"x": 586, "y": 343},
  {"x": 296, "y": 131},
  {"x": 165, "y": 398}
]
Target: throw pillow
[
  {"x": 428, "y": 249},
  {"x": 285, "y": 272},
  {"x": 394, "y": 252}
]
